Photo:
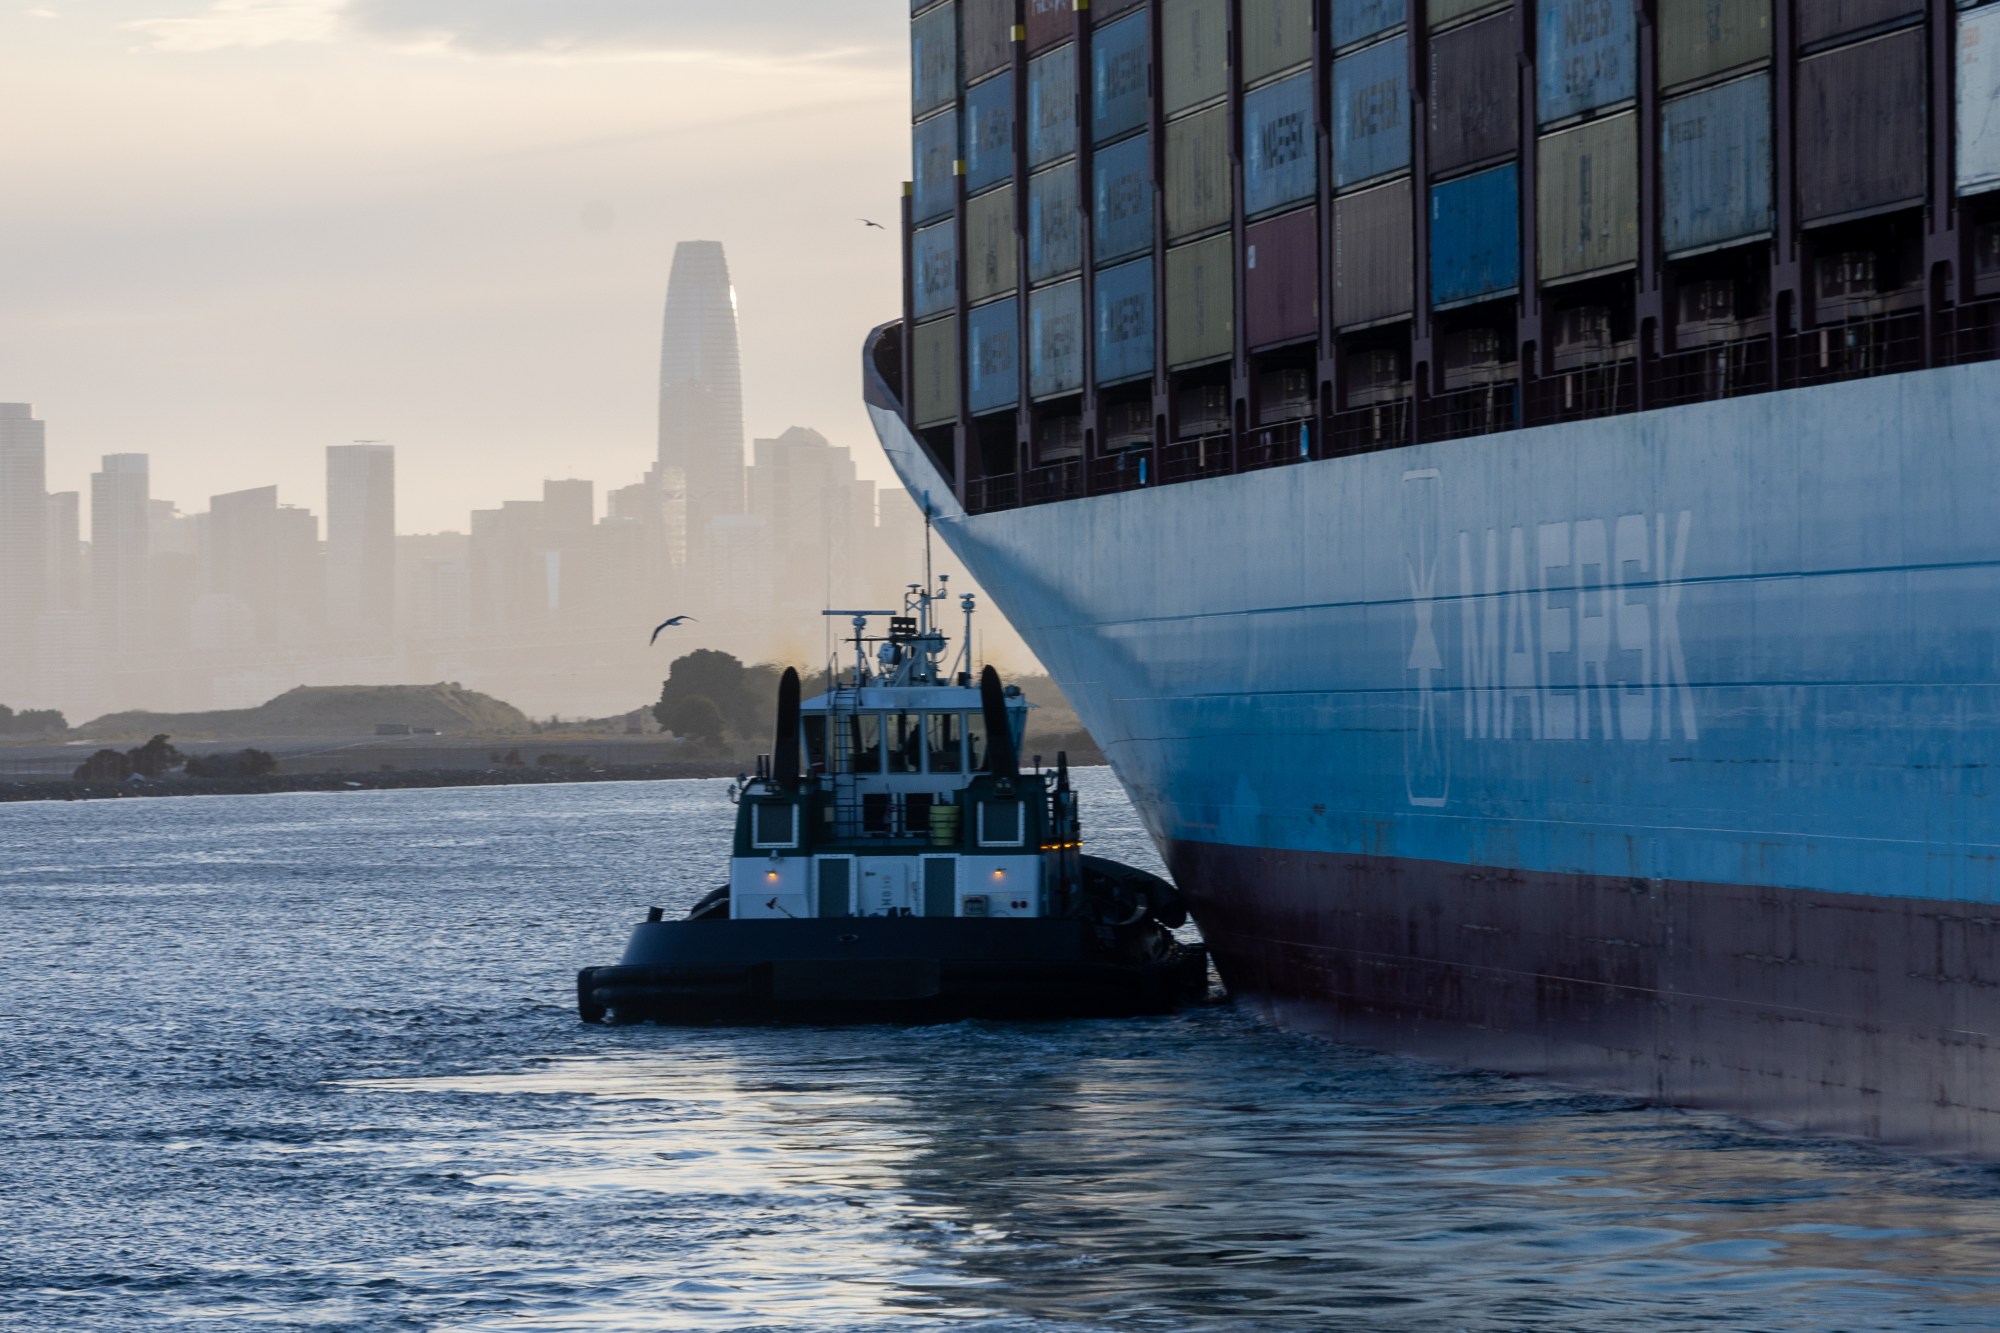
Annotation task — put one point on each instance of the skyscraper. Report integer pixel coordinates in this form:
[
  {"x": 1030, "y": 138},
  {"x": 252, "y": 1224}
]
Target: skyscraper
[
  {"x": 121, "y": 550},
  {"x": 701, "y": 390},
  {"x": 361, "y": 543},
  {"x": 24, "y": 555}
]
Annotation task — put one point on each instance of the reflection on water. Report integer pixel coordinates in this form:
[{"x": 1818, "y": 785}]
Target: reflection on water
[{"x": 307, "y": 1062}]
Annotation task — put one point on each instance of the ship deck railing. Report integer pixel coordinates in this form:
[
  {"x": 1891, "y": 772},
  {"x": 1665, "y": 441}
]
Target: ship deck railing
[{"x": 1876, "y": 344}]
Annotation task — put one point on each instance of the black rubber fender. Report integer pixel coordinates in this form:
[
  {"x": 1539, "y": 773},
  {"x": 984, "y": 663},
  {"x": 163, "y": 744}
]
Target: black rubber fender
[
  {"x": 587, "y": 1007},
  {"x": 1137, "y": 893}
]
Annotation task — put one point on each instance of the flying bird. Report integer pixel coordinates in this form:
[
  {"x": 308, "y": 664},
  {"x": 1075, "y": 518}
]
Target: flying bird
[
  {"x": 866, "y": 222},
  {"x": 674, "y": 623}
]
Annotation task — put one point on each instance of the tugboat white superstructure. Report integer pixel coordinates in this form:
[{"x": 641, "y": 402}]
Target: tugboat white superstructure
[{"x": 893, "y": 860}]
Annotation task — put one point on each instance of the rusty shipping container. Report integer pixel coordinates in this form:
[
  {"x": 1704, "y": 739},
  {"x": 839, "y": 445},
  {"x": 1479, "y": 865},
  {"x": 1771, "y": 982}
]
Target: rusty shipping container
[
  {"x": 1055, "y": 224},
  {"x": 1715, "y": 166},
  {"x": 1822, "y": 21},
  {"x": 1281, "y": 279},
  {"x": 934, "y": 367},
  {"x": 989, "y": 132},
  {"x": 1194, "y": 53},
  {"x": 1197, "y": 183},
  {"x": 1122, "y": 216},
  {"x": 1280, "y": 149},
  {"x": 934, "y": 59},
  {"x": 1374, "y": 249},
  {"x": 1052, "y": 106},
  {"x": 934, "y": 268},
  {"x": 1587, "y": 198},
  {"x": 1201, "y": 301},
  {"x": 991, "y": 245},
  {"x": 993, "y": 357},
  {"x": 986, "y": 36},
  {"x": 1587, "y": 58},
  {"x": 1049, "y": 22},
  {"x": 1055, "y": 340},
  {"x": 1475, "y": 103},
  {"x": 933, "y": 182},
  {"x": 1699, "y": 39},
  {"x": 1358, "y": 21},
  {"x": 1371, "y": 113},
  {"x": 1277, "y": 36},
  {"x": 1476, "y": 236},
  {"x": 1121, "y": 72},
  {"x": 1125, "y": 322},
  {"x": 1862, "y": 132}
]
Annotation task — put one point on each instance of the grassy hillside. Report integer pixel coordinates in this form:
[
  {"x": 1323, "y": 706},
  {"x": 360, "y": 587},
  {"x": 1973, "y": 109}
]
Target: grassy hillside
[{"x": 329, "y": 711}]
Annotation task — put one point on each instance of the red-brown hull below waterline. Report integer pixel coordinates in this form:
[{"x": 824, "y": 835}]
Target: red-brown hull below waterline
[{"x": 1837, "y": 1014}]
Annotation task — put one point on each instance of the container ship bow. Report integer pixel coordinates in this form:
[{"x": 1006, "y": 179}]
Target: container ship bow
[{"x": 1510, "y": 487}]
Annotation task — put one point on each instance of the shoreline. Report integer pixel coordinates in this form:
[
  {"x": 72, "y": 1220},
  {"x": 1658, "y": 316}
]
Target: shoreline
[{"x": 66, "y": 789}]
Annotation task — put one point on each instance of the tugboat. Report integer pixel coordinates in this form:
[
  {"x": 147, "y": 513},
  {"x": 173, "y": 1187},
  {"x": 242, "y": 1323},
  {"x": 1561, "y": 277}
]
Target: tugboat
[{"x": 894, "y": 861}]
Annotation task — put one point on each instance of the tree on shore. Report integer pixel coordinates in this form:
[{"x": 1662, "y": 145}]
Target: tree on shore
[
  {"x": 32, "y": 722},
  {"x": 155, "y": 759},
  {"x": 745, "y": 697}
]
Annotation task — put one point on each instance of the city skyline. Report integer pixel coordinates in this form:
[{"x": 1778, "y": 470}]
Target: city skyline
[{"x": 229, "y": 260}]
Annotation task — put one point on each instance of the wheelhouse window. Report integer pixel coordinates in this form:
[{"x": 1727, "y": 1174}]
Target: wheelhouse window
[
  {"x": 975, "y": 742},
  {"x": 944, "y": 734},
  {"x": 906, "y": 741},
  {"x": 1000, "y": 824},
  {"x": 815, "y": 727},
  {"x": 866, "y": 744},
  {"x": 774, "y": 824}
]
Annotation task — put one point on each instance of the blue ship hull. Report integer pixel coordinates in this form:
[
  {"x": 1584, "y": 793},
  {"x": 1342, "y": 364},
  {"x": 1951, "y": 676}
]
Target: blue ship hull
[{"x": 1653, "y": 754}]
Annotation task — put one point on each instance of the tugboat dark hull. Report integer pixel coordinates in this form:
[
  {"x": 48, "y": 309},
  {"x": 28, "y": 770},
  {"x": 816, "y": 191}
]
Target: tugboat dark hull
[{"x": 900, "y": 969}]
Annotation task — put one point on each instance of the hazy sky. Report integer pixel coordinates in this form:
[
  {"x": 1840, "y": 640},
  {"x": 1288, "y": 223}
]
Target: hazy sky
[{"x": 236, "y": 231}]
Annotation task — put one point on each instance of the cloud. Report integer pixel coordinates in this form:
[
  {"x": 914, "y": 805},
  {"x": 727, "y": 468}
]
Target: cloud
[
  {"x": 237, "y": 23},
  {"x": 763, "y": 29}
]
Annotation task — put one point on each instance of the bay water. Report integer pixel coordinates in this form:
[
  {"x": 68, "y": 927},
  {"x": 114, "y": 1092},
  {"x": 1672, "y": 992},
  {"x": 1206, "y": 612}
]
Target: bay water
[{"x": 311, "y": 1062}]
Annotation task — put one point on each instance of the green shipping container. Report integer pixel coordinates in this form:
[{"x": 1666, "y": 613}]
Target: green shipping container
[
  {"x": 1197, "y": 173},
  {"x": 1701, "y": 38},
  {"x": 1194, "y": 52},
  {"x": 934, "y": 367},
  {"x": 1201, "y": 301},
  {"x": 990, "y": 245},
  {"x": 1277, "y": 35},
  {"x": 1587, "y": 199}
]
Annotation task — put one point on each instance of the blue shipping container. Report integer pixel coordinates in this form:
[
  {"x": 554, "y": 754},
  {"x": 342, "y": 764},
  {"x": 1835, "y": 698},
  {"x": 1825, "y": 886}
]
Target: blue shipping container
[
  {"x": 989, "y": 132},
  {"x": 993, "y": 357},
  {"x": 1715, "y": 165},
  {"x": 1055, "y": 217},
  {"x": 1125, "y": 322},
  {"x": 1055, "y": 339},
  {"x": 1124, "y": 204},
  {"x": 931, "y": 179},
  {"x": 1358, "y": 20},
  {"x": 1280, "y": 159},
  {"x": 1585, "y": 58},
  {"x": 1052, "y": 106},
  {"x": 934, "y": 59},
  {"x": 1476, "y": 236},
  {"x": 934, "y": 268},
  {"x": 1120, "y": 64},
  {"x": 1371, "y": 113}
]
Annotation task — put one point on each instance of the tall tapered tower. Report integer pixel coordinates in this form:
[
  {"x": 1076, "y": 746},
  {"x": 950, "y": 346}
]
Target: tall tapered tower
[{"x": 701, "y": 391}]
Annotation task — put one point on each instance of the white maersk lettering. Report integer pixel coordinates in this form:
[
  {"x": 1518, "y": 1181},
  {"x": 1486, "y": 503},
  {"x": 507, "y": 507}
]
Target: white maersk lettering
[{"x": 1584, "y": 641}]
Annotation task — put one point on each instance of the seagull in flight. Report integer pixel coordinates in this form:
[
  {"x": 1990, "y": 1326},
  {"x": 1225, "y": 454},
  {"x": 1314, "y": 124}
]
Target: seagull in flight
[
  {"x": 673, "y": 623},
  {"x": 866, "y": 222}
]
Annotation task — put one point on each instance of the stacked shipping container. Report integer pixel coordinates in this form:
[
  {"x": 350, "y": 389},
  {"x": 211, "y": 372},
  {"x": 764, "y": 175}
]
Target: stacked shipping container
[{"x": 1156, "y": 210}]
